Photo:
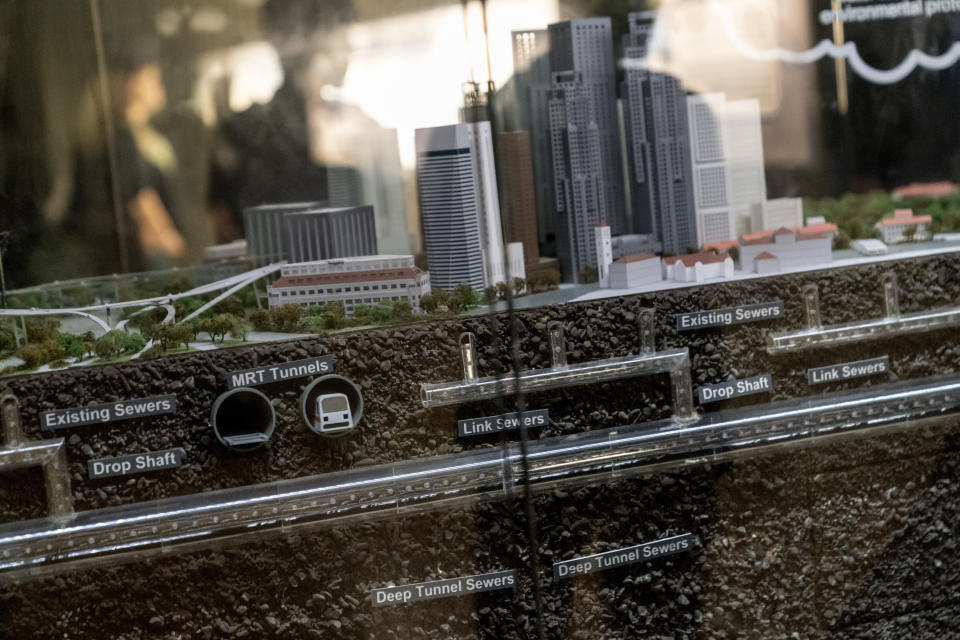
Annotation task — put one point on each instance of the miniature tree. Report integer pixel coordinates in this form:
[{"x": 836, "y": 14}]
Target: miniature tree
[
  {"x": 106, "y": 346},
  {"x": 402, "y": 310},
  {"x": 334, "y": 315},
  {"x": 841, "y": 240},
  {"x": 286, "y": 317},
  {"x": 133, "y": 342},
  {"x": 218, "y": 326},
  {"x": 502, "y": 290},
  {"x": 463, "y": 298},
  {"x": 33, "y": 355},
  {"x": 262, "y": 320},
  {"x": 428, "y": 303},
  {"x": 180, "y": 333},
  {"x": 490, "y": 295},
  {"x": 519, "y": 286},
  {"x": 910, "y": 233},
  {"x": 42, "y": 329},
  {"x": 72, "y": 345},
  {"x": 382, "y": 311},
  {"x": 551, "y": 279},
  {"x": 239, "y": 329},
  {"x": 588, "y": 274}
]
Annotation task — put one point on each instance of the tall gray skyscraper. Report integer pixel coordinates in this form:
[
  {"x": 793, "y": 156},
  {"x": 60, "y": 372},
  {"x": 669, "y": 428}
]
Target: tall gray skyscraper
[
  {"x": 459, "y": 206},
  {"x": 586, "y": 47},
  {"x": 577, "y": 173},
  {"x": 531, "y": 84},
  {"x": 658, "y": 145}
]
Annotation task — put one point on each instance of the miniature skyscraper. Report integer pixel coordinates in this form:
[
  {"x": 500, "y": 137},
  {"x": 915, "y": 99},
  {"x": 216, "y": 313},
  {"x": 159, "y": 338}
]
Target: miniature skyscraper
[
  {"x": 658, "y": 146},
  {"x": 585, "y": 141},
  {"x": 727, "y": 151},
  {"x": 711, "y": 174},
  {"x": 577, "y": 175},
  {"x": 531, "y": 81},
  {"x": 459, "y": 208},
  {"x": 519, "y": 209}
]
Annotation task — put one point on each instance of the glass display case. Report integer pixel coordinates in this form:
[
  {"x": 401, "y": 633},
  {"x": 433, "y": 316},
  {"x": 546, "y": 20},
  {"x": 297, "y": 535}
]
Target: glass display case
[{"x": 482, "y": 319}]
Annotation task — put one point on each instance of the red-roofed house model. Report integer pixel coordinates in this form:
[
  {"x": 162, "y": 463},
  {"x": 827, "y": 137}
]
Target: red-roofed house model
[
  {"x": 892, "y": 230},
  {"x": 351, "y": 281},
  {"x": 925, "y": 190},
  {"x": 697, "y": 267},
  {"x": 630, "y": 272},
  {"x": 787, "y": 248}
]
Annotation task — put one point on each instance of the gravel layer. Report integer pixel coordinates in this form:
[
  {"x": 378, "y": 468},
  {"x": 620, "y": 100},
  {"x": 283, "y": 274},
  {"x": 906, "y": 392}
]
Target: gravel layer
[{"x": 853, "y": 539}]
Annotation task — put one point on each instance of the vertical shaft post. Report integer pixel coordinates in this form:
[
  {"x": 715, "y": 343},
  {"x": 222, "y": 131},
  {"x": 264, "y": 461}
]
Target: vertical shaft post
[
  {"x": 648, "y": 337},
  {"x": 468, "y": 354},
  {"x": 811, "y": 303},
  {"x": 558, "y": 348},
  {"x": 891, "y": 295}
]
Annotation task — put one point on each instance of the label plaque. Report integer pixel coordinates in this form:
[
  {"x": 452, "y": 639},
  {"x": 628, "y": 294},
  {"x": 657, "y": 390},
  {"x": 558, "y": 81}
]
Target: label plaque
[
  {"x": 503, "y": 422},
  {"x": 622, "y": 557},
  {"x": 848, "y": 370},
  {"x": 726, "y": 317},
  {"x": 444, "y": 588},
  {"x": 135, "y": 463},
  {"x": 112, "y": 412},
  {"x": 735, "y": 388},
  {"x": 281, "y": 371}
]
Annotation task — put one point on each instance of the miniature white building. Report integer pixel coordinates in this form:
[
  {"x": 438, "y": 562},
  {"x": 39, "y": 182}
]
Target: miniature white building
[
  {"x": 630, "y": 272},
  {"x": 353, "y": 281},
  {"x": 869, "y": 247},
  {"x": 776, "y": 213},
  {"x": 631, "y": 243},
  {"x": 516, "y": 261},
  {"x": 601, "y": 236},
  {"x": 784, "y": 249},
  {"x": 697, "y": 267},
  {"x": 892, "y": 229},
  {"x": 726, "y": 147}
]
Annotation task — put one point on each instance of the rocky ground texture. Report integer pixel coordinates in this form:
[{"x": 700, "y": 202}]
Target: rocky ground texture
[{"x": 849, "y": 540}]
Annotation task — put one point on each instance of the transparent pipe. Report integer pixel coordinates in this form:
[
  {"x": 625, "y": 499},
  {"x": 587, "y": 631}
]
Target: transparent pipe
[
  {"x": 43, "y": 546},
  {"x": 892, "y": 324},
  {"x": 533, "y": 380}
]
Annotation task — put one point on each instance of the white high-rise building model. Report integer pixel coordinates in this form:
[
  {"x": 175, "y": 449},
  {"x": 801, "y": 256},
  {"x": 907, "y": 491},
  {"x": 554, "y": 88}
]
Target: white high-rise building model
[
  {"x": 745, "y": 148},
  {"x": 711, "y": 176},
  {"x": 459, "y": 207},
  {"x": 727, "y": 152},
  {"x": 604, "y": 255}
]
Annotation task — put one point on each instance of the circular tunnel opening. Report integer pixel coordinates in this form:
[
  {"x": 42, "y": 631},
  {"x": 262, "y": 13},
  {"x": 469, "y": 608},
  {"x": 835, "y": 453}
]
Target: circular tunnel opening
[
  {"x": 243, "y": 419},
  {"x": 331, "y": 406}
]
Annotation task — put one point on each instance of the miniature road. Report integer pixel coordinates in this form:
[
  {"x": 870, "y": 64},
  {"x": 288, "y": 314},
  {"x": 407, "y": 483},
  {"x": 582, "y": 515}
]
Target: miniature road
[{"x": 231, "y": 284}]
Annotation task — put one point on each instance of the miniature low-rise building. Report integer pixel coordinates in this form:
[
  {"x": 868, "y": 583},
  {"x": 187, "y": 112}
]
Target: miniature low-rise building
[
  {"x": 904, "y": 226},
  {"x": 697, "y": 267},
  {"x": 785, "y": 249},
  {"x": 776, "y": 213},
  {"x": 630, "y": 272},
  {"x": 926, "y": 190},
  {"x": 363, "y": 280},
  {"x": 630, "y": 244},
  {"x": 869, "y": 247},
  {"x": 766, "y": 262}
]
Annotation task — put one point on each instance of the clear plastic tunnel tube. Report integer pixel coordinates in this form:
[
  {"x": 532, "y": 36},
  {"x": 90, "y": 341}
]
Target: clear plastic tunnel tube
[
  {"x": 46, "y": 545},
  {"x": 568, "y": 375}
]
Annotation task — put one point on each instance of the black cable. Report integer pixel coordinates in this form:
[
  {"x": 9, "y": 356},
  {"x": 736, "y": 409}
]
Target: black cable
[{"x": 528, "y": 505}]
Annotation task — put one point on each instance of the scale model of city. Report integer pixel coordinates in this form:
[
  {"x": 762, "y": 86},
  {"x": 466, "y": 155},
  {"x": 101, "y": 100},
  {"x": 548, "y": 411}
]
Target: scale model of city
[{"x": 643, "y": 189}]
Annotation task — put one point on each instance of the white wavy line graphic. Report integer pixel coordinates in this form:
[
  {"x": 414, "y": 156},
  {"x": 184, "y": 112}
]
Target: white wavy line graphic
[{"x": 848, "y": 51}]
